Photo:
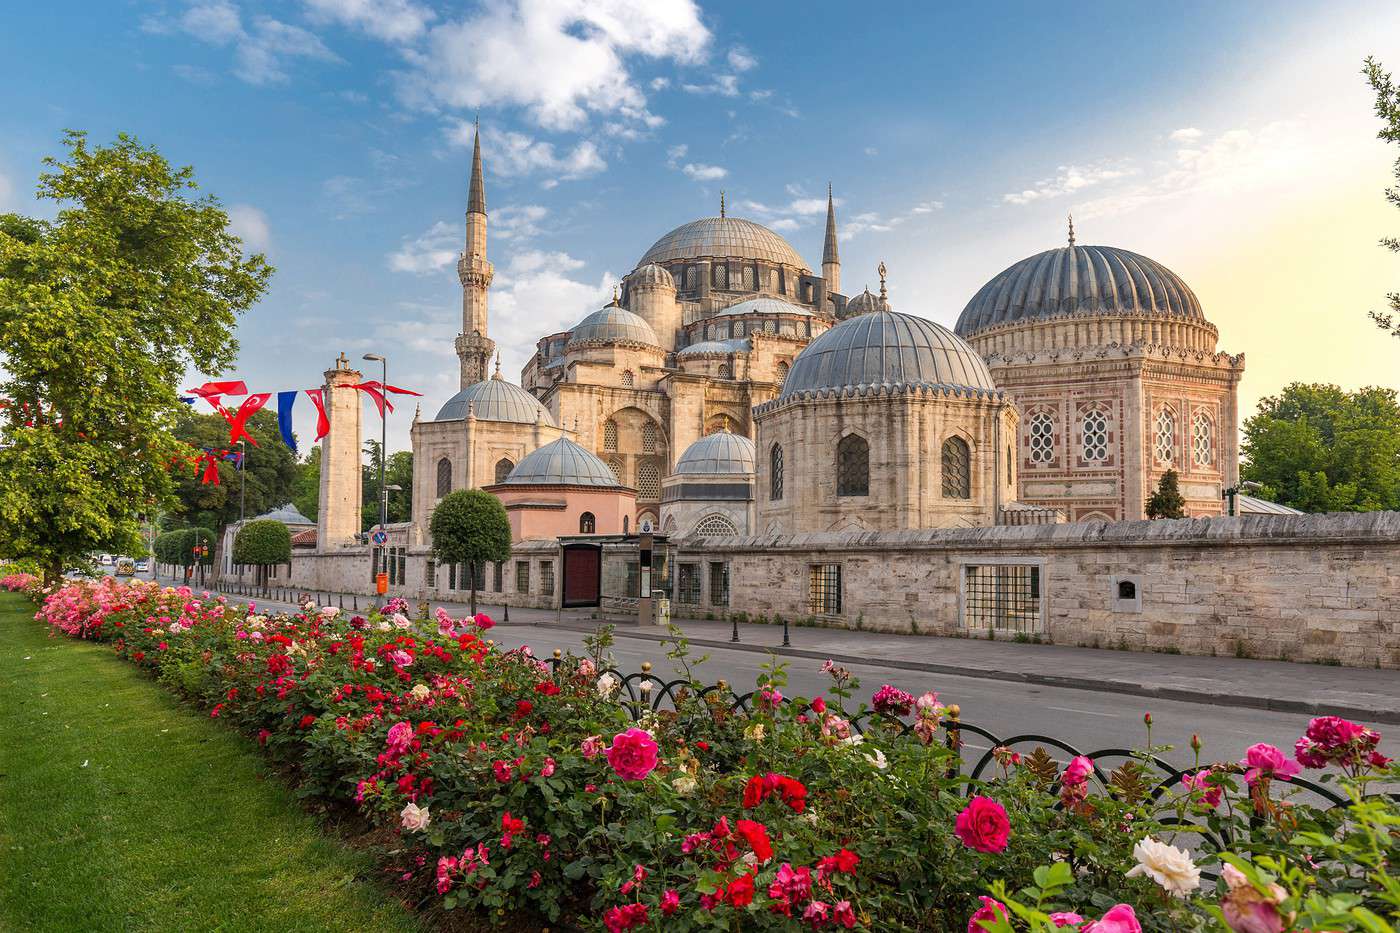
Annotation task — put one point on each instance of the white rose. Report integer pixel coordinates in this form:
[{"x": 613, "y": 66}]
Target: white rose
[
  {"x": 685, "y": 785},
  {"x": 877, "y": 759},
  {"x": 608, "y": 685},
  {"x": 755, "y": 732},
  {"x": 420, "y": 692},
  {"x": 400, "y": 620},
  {"x": 383, "y": 626},
  {"x": 1169, "y": 866},
  {"x": 330, "y": 612},
  {"x": 414, "y": 818},
  {"x": 855, "y": 738}
]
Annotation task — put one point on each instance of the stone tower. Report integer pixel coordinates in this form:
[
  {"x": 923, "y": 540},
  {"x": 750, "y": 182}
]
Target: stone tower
[
  {"x": 474, "y": 348},
  {"x": 831, "y": 262},
  {"x": 338, "y": 521}
]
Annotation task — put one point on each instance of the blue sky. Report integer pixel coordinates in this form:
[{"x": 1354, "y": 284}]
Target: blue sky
[{"x": 1231, "y": 141}]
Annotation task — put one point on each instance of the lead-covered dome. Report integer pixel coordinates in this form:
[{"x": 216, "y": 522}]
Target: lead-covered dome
[
  {"x": 650, "y": 276},
  {"x": 561, "y": 463},
  {"x": 614, "y": 324},
  {"x": 718, "y": 453},
  {"x": 723, "y": 238},
  {"x": 886, "y": 347},
  {"x": 865, "y": 303},
  {"x": 1080, "y": 280},
  {"x": 765, "y": 305},
  {"x": 495, "y": 399}
]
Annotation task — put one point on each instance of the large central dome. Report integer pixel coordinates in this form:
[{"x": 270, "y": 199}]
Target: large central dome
[{"x": 723, "y": 238}]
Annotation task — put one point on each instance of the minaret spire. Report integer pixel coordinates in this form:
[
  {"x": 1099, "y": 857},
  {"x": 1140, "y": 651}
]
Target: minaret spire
[
  {"x": 831, "y": 261},
  {"x": 721, "y": 202},
  {"x": 475, "y": 272},
  {"x": 476, "y": 192},
  {"x": 1071, "y": 229},
  {"x": 884, "y": 295}
]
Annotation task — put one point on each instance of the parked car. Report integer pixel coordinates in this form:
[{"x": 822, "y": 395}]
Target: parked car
[
  {"x": 105, "y": 560},
  {"x": 143, "y": 565}
]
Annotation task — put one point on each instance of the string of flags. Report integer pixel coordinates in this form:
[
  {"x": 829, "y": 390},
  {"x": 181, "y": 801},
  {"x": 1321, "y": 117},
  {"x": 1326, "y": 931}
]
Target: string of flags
[{"x": 214, "y": 392}]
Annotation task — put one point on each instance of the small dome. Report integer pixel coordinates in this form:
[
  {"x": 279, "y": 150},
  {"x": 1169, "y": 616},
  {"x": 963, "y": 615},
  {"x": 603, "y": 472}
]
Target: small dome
[
  {"x": 887, "y": 347},
  {"x": 614, "y": 324},
  {"x": 561, "y": 463},
  {"x": 732, "y": 345},
  {"x": 720, "y": 452},
  {"x": 651, "y": 276},
  {"x": 765, "y": 306},
  {"x": 495, "y": 399},
  {"x": 1085, "y": 279},
  {"x": 865, "y": 303},
  {"x": 288, "y": 514},
  {"x": 723, "y": 238}
]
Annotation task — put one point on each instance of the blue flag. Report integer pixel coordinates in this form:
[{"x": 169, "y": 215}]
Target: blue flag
[{"x": 285, "y": 401}]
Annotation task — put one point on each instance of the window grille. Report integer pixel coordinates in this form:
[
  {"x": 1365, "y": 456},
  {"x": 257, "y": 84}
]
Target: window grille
[
  {"x": 852, "y": 466},
  {"x": 480, "y": 568},
  {"x": 782, "y": 370},
  {"x": 451, "y": 576},
  {"x": 748, "y": 278},
  {"x": 503, "y": 468},
  {"x": 824, "y": 589},
  {"x": 616, "y": 466},
  {"x": 498, "y": 586},
  {"x": 688, "y": 584},
  {"x": 957, "y": 469},
  {"x": 522, "y": 576},
  {"x": 373, "y": 564},
  {"x": 648, "y": 481},
  {"x": 692, "y": 278},
  {"x": 587, "y": 523},
  {"x": 634, "y": 579},
  {"x": 1095, "y": 430},
  {"x": 719, "y": 583},
  {"x": 547, "y": 577},
  {"x": 649, "y": 438},
  {"x": 775, "y": 472},
  {"x": 725, "y": 372},
  {"x": 1165, "y": 446},
  {"x": 1203, "y": 439},
  {"x": 629, "y": 379},
  {"x": 444, "y": 477},
  {"x": 1042, "y": 438},
  {"x": 714, "y": 526},
  {"x": 430, "y": 574},
  {"x": 610, "y": 435},
  {"x": 1002, "y": 597},
  {"x": 721, "y": 276}
]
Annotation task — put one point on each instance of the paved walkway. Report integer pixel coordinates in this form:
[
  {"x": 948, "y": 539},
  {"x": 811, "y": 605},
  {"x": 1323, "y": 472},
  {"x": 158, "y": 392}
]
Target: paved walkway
[{"x": 1361, "y": 693}]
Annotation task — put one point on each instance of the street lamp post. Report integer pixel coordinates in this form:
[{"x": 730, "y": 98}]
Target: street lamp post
[
  {"x": 1232, "y": 492},
  {"x": 242, "y": 489},
  {"x": 383, "y": 435}
]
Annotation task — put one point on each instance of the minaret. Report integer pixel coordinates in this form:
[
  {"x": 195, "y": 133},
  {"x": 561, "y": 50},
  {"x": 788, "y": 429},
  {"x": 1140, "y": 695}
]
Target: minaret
[
  {"x": 831, "y": 262},
  {"x": 474, "y": 348}
]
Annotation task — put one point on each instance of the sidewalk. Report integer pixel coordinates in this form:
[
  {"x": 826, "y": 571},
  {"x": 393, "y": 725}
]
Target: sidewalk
[{"x": 1365, "y": 694}]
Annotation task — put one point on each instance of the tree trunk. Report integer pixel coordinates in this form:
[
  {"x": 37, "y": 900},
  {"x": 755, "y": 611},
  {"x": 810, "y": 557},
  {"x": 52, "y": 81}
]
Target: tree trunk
[{"x": 471, "y": 605}]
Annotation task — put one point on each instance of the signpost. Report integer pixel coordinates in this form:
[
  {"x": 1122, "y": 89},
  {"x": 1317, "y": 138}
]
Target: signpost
[{"x": 645, "y": 615}]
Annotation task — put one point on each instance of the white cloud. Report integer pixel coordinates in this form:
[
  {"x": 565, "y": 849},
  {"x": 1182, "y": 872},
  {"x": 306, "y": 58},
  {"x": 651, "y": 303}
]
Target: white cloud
[
  {"x": 536, "y": 293},
  {"x": 660, "y": 84},
  {"x": 674, "y": 154},
  {"x": 701, "y": 172},
  {"x": 260, "y": 51},
  {"x": 760, "y": 95},
  {"x": 512, "y": 154},
  {"x": 741, "y": 59},
  {"x": 250, "y": 225},
  {"x": 194, "y": 74},
  {"x": 876, "y": 222},
  {"x": 871, "y": 151},
  {"x": 561, "y": 60},
  {"x": 431, "y": 251},
  {"x": 723, "y": 85},
  {"x": 390, "y": 20},
  {"x": 517, "y": 221},
  {"x": 1069, "y": 179},
  {"x": 1186, "y": 134}
]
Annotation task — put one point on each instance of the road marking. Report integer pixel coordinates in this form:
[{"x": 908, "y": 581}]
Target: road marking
[{"x": 1082, "y": 712}]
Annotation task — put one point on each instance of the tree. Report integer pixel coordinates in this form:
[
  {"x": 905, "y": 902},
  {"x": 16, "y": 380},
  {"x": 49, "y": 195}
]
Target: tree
[
  {"x": 470, "y": 527},
  {"x": 1388, "y": 109},
  {"x": 270, "y": 469},
  {"x": 1321, "y": 449},
  {"x": 177, "y": 548},
  {"x": 262, "y": 543},
  {"x": 398, "y": 472},
  {"x": 1167, "y": 501},
  {"x": 306, "y": 488},
  {"x": 102, "y": 312}
]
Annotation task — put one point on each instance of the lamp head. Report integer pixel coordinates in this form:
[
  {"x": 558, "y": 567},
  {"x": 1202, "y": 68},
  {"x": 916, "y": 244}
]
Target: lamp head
[{"x": 375, "y": 357}]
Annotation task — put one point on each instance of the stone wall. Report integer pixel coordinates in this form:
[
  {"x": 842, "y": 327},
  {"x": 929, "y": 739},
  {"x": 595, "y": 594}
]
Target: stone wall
[{"x": 1321, "y": 588}]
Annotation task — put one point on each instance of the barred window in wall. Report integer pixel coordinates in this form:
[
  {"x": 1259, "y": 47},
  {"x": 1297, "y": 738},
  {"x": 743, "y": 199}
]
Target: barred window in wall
[
  {"x": 721, "y": 276},
  {"x": 650, "y": 436},
  {"x": 1203, "y": 439},
  {"x": 522, "y": 576},
  {"x": 610, "y": 435},
  {"x": 714, "y": 526},
  {"x": 1042, "y": 428},
  {"x": 782, "y": 370},
  {"x": 725, "y": 372},
  {"x": 451, "y": 576},
  {"x": 634, "y": 580},
  {"x": 374, "y": 553},
  {"x": 503, "y": 468},
  {"x": 430, "y": 574},
  {"x": 688, "y": 584},
  {"x": 957, "y": 469},
  {"x": 1164, "y": 447},
  {"x": 444, "y": 477},
  {"x": 1095, "y": 436},
  {"x": 1002, "y": 597},
  {"x": 692, "y": 278},
  {"x": 719, "y": 583},
  {"x": 480, "y": 567},
  {"x": 616, "y": 466},
  {"x": 775, "y": 472},
  {"x": 748, "y": 278},
  {"x": 587, "y": 523},
  {"x": 629, "y": 378},
  {"x": 496, "y": 577},
  {"x": 824, "y": 589},
  {"x": 648, "y": 481},
  {"x": 852, "y": 466},
  {"x": 547, "y": 577}
]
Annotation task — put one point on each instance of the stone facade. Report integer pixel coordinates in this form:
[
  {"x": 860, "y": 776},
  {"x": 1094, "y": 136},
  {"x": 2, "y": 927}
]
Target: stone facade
[{"x": 341, "y": 497}]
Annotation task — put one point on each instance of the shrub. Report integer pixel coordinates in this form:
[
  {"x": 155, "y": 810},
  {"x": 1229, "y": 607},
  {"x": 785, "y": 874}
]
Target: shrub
[
  {"x": 262, "y": 543},
  {"x": 470, "y": 527}
]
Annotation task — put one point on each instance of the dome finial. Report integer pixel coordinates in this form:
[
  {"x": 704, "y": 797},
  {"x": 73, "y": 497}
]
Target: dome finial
[
  {"x": 1071, "y": 229},
  {"x": 498, "y": 365},
  {"x": 615, "y": 299},
  {"x": 721, "y": 202},
  {"x": 884, "y": 295}
]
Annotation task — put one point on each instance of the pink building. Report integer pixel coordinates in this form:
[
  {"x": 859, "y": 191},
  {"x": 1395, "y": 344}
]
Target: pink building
[{"x": 562, "y": 489}]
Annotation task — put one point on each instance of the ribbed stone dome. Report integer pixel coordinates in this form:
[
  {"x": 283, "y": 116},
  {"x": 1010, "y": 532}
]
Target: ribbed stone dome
[
  {"x": 887, "y": 347},
  {"x": 1079, "y": 279},
  {"x": 723, "y": 238},
  {"x": 495, "y": 399},
  {"x": 718, "y": 453},
  {"x": 561, "y": 463},
  {"x": 864, "y": 303},
  {"x": 732, "y": 345},
  {"x": 765, "y": 305},
  {"x": 650, "y": 276},
  {"x": 288, "y": 514},
  {"x": 614, "y": 324}
]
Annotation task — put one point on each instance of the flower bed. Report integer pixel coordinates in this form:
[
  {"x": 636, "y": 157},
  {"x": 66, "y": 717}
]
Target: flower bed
[{"x": 517, "y": 784}]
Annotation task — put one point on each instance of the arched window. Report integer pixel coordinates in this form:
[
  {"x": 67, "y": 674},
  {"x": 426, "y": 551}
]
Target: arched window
[
  {"x": 670, "y": 525},
  {"x": 648, "y": 481},
  {"x": 626, "y": 523},
  {"x": 725, "y": 372},
  {"x": 721, "y": 276},
  {"x": 1164, "y": 444},
  {"x": 444, "y": 477},
  {"x": 629, "y": 378},
  {"x": 853, "y": 466},
  {"x": 649, "y": 437},
  {"x": 775, "y": 472},
  {"x": 610, "y": 435},
  {"x": 587, "y": 523},
  {"x": 748, "y": 278},
  {"x": 1009, "y": 478},
  {"x": 957, "y": 469},
  {"x": 503, "y": 468},
  {"x": 615, "y": 464},
  {"x": 713, "y": 526},
  {"x": 646, "y": 522},
  {"x": 782, "y": 371},
  {"x": 1042, "y": 431},
  {"x": 692, "y": 278},
  {"x": 1203, "y": 439},
  {"x": 1094, "y": 428}
]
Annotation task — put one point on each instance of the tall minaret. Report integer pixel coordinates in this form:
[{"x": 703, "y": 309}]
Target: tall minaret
[
  {"x": 831, "y": 263},
  {"x": 474, "y": 348}
]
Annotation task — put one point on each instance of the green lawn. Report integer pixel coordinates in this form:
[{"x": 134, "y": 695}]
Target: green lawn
[{"x": 122, "y": 810}]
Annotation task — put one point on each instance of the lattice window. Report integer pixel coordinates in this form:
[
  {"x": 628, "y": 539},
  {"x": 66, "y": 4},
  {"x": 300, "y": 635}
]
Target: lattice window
[
  {"x": 719, "y": 583},
  {"x": 775, "y": 472},
  {"x": 714, "y": 526},
  {"x": 1042, "y": 429},
  {"x": 688, "y": 583},
  {"x": 782, "y": 371},
  {"x": 692, "y": 278},
  {"x": 721, "y": 276},
  {"x": 650, "y": 436},
  {"x": 1095, "y": 436},
  {"x": 725, "y": 372},
  {"x": 648, "y": 481},
  {"x": 957, "y": 469},
  {"x": 1203, "y": 439},
  {"x": 616, "y": 466},
  {"x": 1164, "y": 446},
  {"x": 430, "y": 574},
  {"x": 852, "y": 466},
  {"x": 629, "y": 378},
  {"x": 547, "y": 578},
  {"x": 587, "y": 523},
  {"x": 610, "y": 435},
  {"x": 748, "y": 278},
  {"x": 522, "y": 576},
  {"x": 503, "y": 468},
  {"x": 444, "y": 477},
  {"x": 824, "y": 589},
  {"x": 1002, "y": 597}
]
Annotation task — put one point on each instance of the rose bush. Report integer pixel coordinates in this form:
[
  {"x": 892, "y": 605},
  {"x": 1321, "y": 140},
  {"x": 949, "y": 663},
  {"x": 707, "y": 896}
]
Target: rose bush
[{"x": 510, "y": 784}]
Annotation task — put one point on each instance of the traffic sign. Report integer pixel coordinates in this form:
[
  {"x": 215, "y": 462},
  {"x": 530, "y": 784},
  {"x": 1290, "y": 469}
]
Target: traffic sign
[{"x": 379, "y": 537}]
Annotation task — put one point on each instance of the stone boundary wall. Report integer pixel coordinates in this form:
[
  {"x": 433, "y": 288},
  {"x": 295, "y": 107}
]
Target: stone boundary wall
[{"x": 1321, "y": 588}]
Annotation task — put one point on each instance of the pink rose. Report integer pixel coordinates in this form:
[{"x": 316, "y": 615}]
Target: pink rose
[
  {"x": 547, "y": 768},
  {"x": 983, "y": 825},
  {"x": 1264, "y": 760},
  {"x": 1120, "y": 919},
  {"x": 400, "y": 735},
  {"x": 1066, "y": 918},
  {"x": 1246, "y": 909},
  {"x": 1077, "y": 772},
  {"x": 633, "y": 754},
  {"x": 1210, "y": 793},
  {"x": 991, "y": 911},
  {"x": 819, "y": 705},
  {"x": 592, "y": 747}
]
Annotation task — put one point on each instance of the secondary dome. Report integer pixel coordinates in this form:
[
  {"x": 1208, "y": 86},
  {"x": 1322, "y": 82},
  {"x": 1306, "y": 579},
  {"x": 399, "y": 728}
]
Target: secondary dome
[
  {"x": 650, "y": 275},
  {"x": 720, "y": 452},
  {"x": 765, "y": 306},
  {"x": 614, "y": 324},
  {"x": 561, "y": 463},
  {"x": 723, "y": 238},
  {"x": 865, "y": 303},
  {"x": 731, "y": 345},
  {"x": 886, "y": 347},
  {"x": 1079, "y": 279},
  {"x": 495, "y": 399}
]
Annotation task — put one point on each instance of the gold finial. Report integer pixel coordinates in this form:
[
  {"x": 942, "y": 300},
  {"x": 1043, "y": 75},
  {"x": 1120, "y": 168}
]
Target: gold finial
[
  {"x": 498, "y": 364},
  {"x": 721, "y": 202},
  {"x": 1071, "y": 229},
  {"x": 646, "y": 667},
  {"x": 882, "y": 270},
  {"x": 616, "y": 295}
]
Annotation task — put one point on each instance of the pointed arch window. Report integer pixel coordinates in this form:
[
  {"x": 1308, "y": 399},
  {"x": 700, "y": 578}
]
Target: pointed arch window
[
  {"x": 853, "y": 466},
  {"x": 692, "y": 278},
  {"x": 782, "y": 371},
  {"x": 957, "y": 469},
  {"x": 1203, "y": 439},
  {"x": 615, "y": 464},
  {"x": 649, "y": 437},
  {"x": 629, "y": 378},
  {"x": 444, "y": 477},
  {"x": 775, "y": 472},
  {"x": 1094, "y": 431},
  {"x": 610, "y": 435},
  {"x": 1164, "y": 433},
  {"x": 503, "y": 468},
  {"x": 725, "y": 372},
  {"x": 587, "y": 523},
  {"x": 748, "y": 278},
  {"x": 1042, "y": 438},
  {"x": 714, "y": 526}
]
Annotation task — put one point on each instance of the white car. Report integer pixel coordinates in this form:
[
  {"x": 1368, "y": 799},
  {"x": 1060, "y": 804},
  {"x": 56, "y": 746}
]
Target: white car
[{"x": 105, "y": 560}]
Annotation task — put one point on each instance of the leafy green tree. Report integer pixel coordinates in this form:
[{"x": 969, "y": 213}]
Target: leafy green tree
[
  {"x": 1388, "y": 109},
  {"x": 398, "y": 471},
  {"x": 102, "y": 312},
  {"x": 177, "y": 548},
  {"x": 1167, "y": 501},
  {"x": 270, "y": 470},
  {"x": 1319, "y": 448},
  {"x": 470, "y": 527},
  {"x": 306, "y": 488},
  {"x": 262, "y": 543}
]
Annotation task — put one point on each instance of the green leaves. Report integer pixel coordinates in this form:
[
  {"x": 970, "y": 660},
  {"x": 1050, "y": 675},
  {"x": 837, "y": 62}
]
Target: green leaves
[
  {"x": 470, "y": 526},
  {"x": 262, "y": 543}
]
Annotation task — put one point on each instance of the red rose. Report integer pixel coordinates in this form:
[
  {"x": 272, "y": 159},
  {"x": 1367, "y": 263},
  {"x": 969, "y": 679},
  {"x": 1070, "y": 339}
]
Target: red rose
[
  {"x": 740, "y": 890},
  {"x": 983, "y": 825},
  {"x": 756, "y": 835},
  {"x": 753, "y": 792},
  {"x": 633, "y": 754}
]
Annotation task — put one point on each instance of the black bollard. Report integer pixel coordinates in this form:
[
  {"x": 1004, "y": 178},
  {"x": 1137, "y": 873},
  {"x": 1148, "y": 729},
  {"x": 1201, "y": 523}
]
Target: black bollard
[
  {"x": 505, "y": 611},
  {"x": 735, "y": 635},
  {"x": 786, "y": 642}
]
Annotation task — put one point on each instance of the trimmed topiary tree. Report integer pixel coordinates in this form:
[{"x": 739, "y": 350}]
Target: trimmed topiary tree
[
  {"x": 1167, "y": 501},
  {"x": 262, "y": 543},
  {"x": 470, "y": 527}
]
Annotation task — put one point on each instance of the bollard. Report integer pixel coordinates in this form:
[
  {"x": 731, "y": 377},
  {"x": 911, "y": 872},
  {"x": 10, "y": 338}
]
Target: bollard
[
  {"x": 506, "y": 613},
  {"x": 355, "y": 602},
  {"x": 786, "y": 642},
  {"x": 735, "y": 635}
]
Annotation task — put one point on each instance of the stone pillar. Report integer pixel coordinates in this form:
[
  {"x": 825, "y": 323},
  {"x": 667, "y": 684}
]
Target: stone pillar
[{"x": 338, "y": 522}]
